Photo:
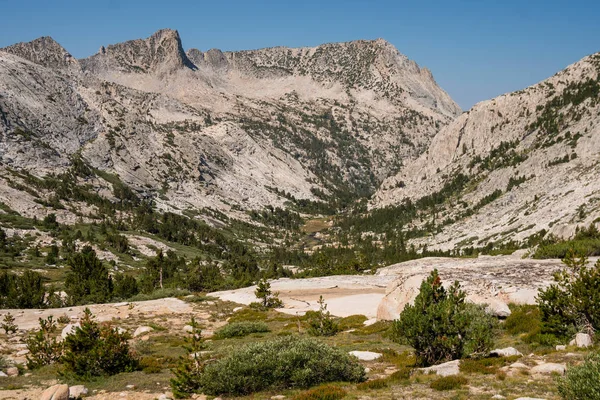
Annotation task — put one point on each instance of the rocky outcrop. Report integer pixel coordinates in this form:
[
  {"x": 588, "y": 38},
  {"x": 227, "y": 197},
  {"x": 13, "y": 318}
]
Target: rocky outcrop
[
  {"x": 493, "y": 281},
  {"x": 160, "y": 53},
  {"x": 45, "y": 51}
]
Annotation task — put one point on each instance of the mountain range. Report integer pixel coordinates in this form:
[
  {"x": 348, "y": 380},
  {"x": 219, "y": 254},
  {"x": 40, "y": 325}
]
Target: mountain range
[{"x": 337, "y": 124}]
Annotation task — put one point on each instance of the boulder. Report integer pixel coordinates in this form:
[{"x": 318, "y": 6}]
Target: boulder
[
  {"x": 77, "y": 391},
  {"x": 445, "y": 369},
  {"x": 561, "y": 347},
  {"x": 366, "y": 355},
  {"x": 56, "y": 392},
  {"x": 549, "y": 368},
  {"x": 583, "y": 340},
  {"x": 188, "y": 328},
  {"x": 22, "y": 353},
  {"x": 3, "y": 375},
  {"x": 141, "y": 330},
  {"x": 12, "y": 371},
  {"x": 69, "y": 329},
  {"x": 506, "y": 352}
]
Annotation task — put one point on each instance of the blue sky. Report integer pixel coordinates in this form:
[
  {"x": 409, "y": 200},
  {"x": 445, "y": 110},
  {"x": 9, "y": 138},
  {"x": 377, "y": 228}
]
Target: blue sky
[{"x": 476, "y": 49}]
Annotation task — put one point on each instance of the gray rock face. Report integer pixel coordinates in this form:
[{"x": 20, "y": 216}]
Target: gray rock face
[
  {"x": 495, "y": 281},
  {"x": 549, "y": 368},
  {"x": 217, "y": 129}
]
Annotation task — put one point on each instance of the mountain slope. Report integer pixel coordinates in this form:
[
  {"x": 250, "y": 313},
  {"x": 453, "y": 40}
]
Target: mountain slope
[
  {"x": 231, "y": 130},
  {"x": 532, "y": 155}
]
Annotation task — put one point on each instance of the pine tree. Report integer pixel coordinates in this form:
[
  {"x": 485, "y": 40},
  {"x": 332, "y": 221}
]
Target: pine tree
[
  {"x": 267, "y": 298},
  {"x": 322, "y": 322},
  {"x": 191, "y": 366},
  {"x": 8, "y": 324},
  {"x": 44, "y": 348}
]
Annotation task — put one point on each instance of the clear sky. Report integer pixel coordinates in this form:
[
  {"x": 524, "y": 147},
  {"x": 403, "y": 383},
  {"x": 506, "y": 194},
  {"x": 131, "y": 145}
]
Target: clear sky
[{"x": 476, "y": 49}]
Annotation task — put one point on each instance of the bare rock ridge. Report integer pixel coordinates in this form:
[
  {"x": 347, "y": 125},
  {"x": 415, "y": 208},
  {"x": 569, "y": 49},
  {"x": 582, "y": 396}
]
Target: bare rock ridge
[
  {"x": 219, "y": 129},
  {"x": 162, "y": 52},
  {"x": 367, "y": 64},
  {"x": 44, "y": 51}
]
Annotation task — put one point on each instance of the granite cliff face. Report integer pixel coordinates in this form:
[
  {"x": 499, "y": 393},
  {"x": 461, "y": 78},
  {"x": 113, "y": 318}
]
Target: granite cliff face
[
  {"x": 220, "y": 129},
  {"x": 522, "y": 162}
]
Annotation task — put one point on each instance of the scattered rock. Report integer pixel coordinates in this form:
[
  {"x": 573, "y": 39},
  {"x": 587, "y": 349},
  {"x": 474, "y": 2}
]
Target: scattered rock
[
  {"x": 498, "y": 397},
  {"x": 22, "y": 353},
  {"x": 77, "y": 391},
  {"x": 366, "y": 355},
  {"x": 370, "y": 322},
  {"x": 278, "y": 397},
  {"x": 3, "y": 375},
  {"x": 56, "y": 392},
  {"x": 583, "y": 340},
  {"x": 518, "y": 365},
  {"x": 12, "y": 371},
  {"x": 561, "y": 347},
  {"x": 506, "y": 352},
  {"x": 130, "y": 387},
  {"x": 188, "y": 328},
  {"x": 549, "y": 368},
  {"x": 164, "y": 397},
  {"x": 445, "y": 369},
  {"x": 141, "y": 330},
  {"x": 238, "y": 309},
  {"x": 529, "y": 398}
]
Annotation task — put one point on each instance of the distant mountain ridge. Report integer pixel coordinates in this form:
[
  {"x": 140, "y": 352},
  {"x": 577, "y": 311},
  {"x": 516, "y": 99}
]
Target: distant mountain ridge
[{"x": 220, "y": 129}]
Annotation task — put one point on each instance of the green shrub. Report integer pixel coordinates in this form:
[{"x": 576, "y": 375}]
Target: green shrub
[
  {"x": 352, "y": 322},
  {"x": 448, "y": 382},
  {"x": 97, "y": 350},
  {"x": 523, "y": 319},
  {"x": 43, "y": 346},
  {"x": 582, "y": 382},
  {"x": 249, "y": 314},
  {"x": 373, "y": 384},
  {"x": 325, "y": 392},
  {"x": 570, "y": 304},
  {"x": 241, "y": 329},
  {"x": 150, "y": 365},
  {"x": 286, "y": 362},
  {"x": 441, "y": 326},
  {"x": 322, "y": 323},
  {"x": 402, "y": 374},
  {"x": 485, "y": 366}
]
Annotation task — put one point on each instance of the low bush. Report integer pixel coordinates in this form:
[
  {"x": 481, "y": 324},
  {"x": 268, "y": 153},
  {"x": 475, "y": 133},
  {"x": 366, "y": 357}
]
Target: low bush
[
  {"x": 448, "y": 382},
  {"x": 352, "y": 322},
  {"x": 402, "y": 374},
  {"x": 97, "y": 350},
  {"x": 523, "y": 318},
  {"x": 486, "y": 366},
  {"x": 150, "y": 365},
  {"x": 325, "y": 392},
  {"x": 241, "y": 329},
  {"x": 570, "y": 304},
  {"x": 286, "y": 362},
  {"x": 582, "y": 382},
  {"x": 373, "y": 384}
]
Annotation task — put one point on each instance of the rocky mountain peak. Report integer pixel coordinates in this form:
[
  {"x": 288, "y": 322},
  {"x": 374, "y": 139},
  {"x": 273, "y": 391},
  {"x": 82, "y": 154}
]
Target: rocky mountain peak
[
  {"x": 44, "y": 51},
  {"x": 162, "y": 52}
]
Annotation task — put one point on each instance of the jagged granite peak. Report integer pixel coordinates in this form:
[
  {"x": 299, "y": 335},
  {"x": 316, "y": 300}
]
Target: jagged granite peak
[
  {"x": 162, "y": 52},
  {"x": 44, "y": 51}
]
